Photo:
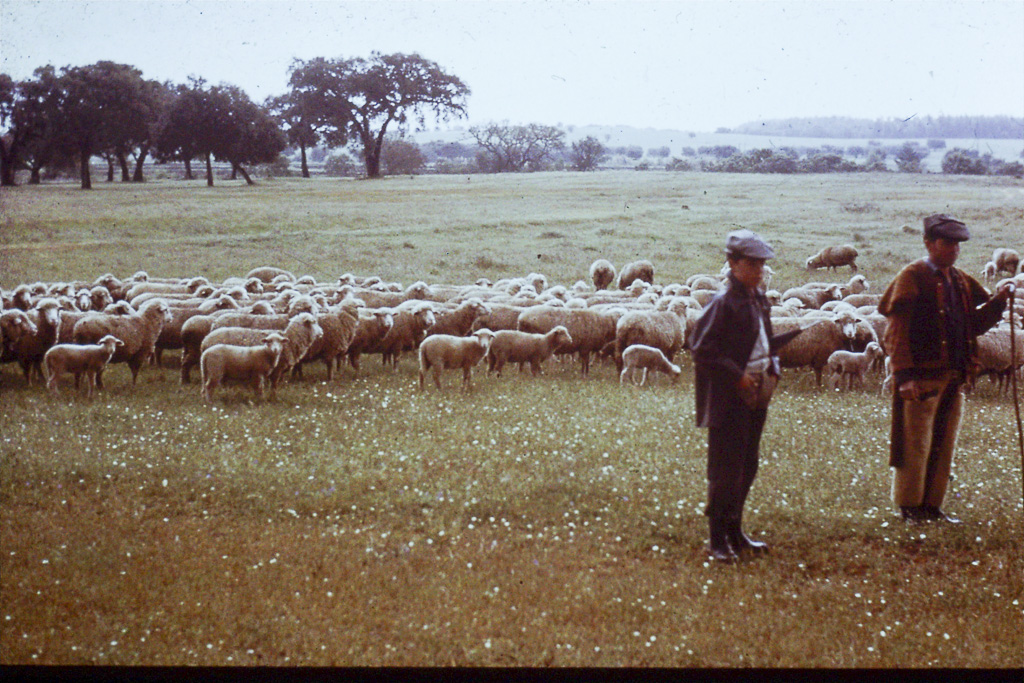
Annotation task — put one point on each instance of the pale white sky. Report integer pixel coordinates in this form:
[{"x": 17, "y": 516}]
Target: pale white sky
[{"x": 689, "y": 65}]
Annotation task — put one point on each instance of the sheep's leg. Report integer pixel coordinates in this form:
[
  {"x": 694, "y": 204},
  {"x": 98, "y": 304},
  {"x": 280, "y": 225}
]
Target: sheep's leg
[
  {"x": 437, "y": 376},
  {"x": 643, "y": 376},
  {"x": 135, "y": 364},
  {"x": 99, "y": 378},
  {"x": 329, "y": 362},
  {"x": 467, "y": 374},
  {"x": 51, "y": 384},
  {"x": 535, "y": 367},
  {"x": 259, "y": 386},
  {"x": 622, "y": 375},
  {"x": 26, "y": 369},
  {"x": 585, "y": 362}
]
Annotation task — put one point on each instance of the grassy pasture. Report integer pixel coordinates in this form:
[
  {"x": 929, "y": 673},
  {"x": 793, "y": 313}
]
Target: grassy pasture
[{"x": 548, "y": 521}]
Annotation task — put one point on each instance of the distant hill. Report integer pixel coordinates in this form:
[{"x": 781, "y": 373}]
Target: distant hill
[{"x": 991, "y": 127}]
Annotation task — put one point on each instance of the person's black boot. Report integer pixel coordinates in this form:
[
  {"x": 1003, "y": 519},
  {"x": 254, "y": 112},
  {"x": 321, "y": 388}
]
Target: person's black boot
[
  {"x": 935, "y": 513},
  {"x": 740, "y": 542},
  {"x": 719, "y": 549},
  {"x": 913, "y": 514}
]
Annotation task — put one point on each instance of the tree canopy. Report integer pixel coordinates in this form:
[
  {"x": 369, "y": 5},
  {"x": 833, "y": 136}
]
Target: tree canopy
[
  {"x": 517, "y": 148},
  {"x": 358, "y": 99}
]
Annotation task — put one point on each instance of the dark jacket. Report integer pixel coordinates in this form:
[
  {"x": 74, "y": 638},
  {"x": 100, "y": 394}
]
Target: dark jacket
[
  {"x": 721, "y": 344},
  {"x": 915, "y": 338}
]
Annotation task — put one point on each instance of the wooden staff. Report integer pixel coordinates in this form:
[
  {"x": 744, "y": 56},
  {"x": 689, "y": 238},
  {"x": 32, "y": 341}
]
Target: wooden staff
[{"x": 1013, "y": 383}]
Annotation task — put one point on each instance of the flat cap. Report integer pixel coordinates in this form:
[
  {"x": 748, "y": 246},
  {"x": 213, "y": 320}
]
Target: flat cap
[
  {"x": 941, "y": 225},
  {"x": 748, "y": 244}
]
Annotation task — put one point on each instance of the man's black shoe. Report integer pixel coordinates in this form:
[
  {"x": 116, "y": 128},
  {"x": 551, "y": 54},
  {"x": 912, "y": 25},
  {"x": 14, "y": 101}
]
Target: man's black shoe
[
  {"x": 933, "y": 512},
  {"x": 913, "y": 514}
]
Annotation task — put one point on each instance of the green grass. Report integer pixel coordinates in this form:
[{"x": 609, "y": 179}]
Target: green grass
[{"x": 529, "y": 521}]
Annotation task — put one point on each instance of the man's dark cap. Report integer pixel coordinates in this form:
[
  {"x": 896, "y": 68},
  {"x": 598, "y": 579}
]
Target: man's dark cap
[
  {"x": 941, "y": 225},
  {"x": 748, "y": 244}
]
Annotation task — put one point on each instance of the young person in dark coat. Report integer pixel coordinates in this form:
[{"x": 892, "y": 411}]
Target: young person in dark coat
[
  {"x": 936, "y": 312},
  {"x": 736, "y": 367}
]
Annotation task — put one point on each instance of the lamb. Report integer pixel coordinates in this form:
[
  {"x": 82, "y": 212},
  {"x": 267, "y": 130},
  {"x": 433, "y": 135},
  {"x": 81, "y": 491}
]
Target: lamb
[
  {"x": 139, "y": 333},
  {"x": 458, "y": 321},
  {"x": 636, "y": 270},
  {"x": 195, "y": 329},
  {"x": 813, "y": 347},
  {"x": 253, "y": 364},
  {"x": 641, "y": 356},
  {"x": 989, "y": 271},
  {"x": 80, "y": 359},
  {"x": 590, "y": 330},
  {"x": 524, "y": 347},
  {"x": 302, "y": 331},
  {"x": 30, "y": 349},
  {"x": 445, "y": 351},
  {"x": 1006, "y": 260},
  {"x": 602, "y": 273},
  {"x": 834, "y": 257},
  {"x": 664, "y": 330},
  {"x": 852, "y": 366}
]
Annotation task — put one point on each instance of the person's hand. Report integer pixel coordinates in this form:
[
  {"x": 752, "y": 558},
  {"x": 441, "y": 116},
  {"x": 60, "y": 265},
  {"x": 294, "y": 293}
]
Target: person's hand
[
  {"x": 746, "y": 382},
  {"x": 1006, "y": 290},
  {"x": 910, "y": 390}
]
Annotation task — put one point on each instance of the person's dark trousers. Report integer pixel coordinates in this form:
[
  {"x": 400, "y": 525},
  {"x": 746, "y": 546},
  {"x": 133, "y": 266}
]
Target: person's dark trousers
[{"x": 732, "y": 461}]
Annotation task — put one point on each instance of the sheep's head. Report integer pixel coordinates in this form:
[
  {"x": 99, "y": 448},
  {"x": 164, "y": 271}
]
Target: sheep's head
[
  {"x": 204, "y": 291},
  {"x": 101, "y": 298},
  {"x": 560, "y": 337},
  {"x": 426, "y": 314},
  {"x": 119, "y": 308},
  {"x": 873, "y": 350},
  {"x": 484, "y": 337},
  {"x": 847, "y": 323},
  {"x": 276, "y": 341},
  {"x": 83, "y": 300},
  {"x": 49, "y": 310},
  {"x": 137, "y": 276},
  {"x": 254, "y": 285},
  {"x": 16, "y": 325},
  {"x": 22, "y": 297},
  {"x": 306, "y": 280},
  {"x": 111, "y": 342}
]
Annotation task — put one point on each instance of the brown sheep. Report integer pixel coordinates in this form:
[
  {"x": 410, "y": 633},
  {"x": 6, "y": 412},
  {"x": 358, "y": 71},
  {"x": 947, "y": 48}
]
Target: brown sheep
[
  {"x": 513, "y": 346},
  {"x": 590, "y": 330},
  {"x": 445, "y": 351},
  {"x": 602, "y": 273},
  {"x": 637, "y": 270},
  {"x": 80, "y": 359},
  {"x": 252, "y": 364},
  {"x": 833, "y": 257},
  {"x": 139, "y": 333}
]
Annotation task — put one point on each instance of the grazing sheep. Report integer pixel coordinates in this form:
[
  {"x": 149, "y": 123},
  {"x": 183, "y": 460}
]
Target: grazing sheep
[
  {"x": 709, "y": 282},
  {"x": 850, "y": 365},
  {"x": 302, "y": 331},
  {"x": 525, "y": 347},
  {"x": 29, "y": 349},
  {"x": 602, "y": 274},
  {"x": 165, "y": 289},
  {"x": 501, "y": 317},
  {"x": 372, "y": 326},
  {"x": 590, "y": 330},
  {"x": 266, "y": 274},
  {"x": 813, "y": 347},
  {"x": 813, "y": 297},
  {"x": 636, "y": 270},
  {"x": 643, "y": 357},
  {"x": 80, "y": 359},
  {"x": 833, "y": 257},
  {"x": 445, "y": 351},
  {"x": 1006, "y": 260},
  {"x": 251, "y": 364},
  {"x": 989, "y": 271},
  {"x": 663, "y": 330},
  {"x": 139, "y": 333}
]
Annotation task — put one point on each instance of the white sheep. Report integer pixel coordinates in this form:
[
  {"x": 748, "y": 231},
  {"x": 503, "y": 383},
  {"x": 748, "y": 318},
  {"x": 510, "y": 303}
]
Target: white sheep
[
  {"x": 643, "y": 357},
  {"x": 445, "y": 351},
  {"x": 852, "y": 366},
  {"x": 252, "y": 364},
  {"x": 1006, "y": 260},
  {"x": 989, "y": 271},
  {"x": 80, "y": 359},
  {"x": 637, "y": 270},
  {"x": 513, "y": 346},
  {"x": 602, "y": 273}
]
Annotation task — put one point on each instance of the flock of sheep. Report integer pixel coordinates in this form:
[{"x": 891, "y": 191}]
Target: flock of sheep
[{"x": 263, "y": 327}]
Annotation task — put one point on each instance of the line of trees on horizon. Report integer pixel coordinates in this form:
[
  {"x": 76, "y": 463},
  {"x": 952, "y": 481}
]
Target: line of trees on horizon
[
  {"x": 56, "y": 122},
  {"x": 964, "y": 127}
]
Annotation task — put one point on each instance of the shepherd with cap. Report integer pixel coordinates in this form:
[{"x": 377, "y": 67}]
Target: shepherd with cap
[
  {"x": 935, "y": 313},
  {"x": 734, "y": 354}
]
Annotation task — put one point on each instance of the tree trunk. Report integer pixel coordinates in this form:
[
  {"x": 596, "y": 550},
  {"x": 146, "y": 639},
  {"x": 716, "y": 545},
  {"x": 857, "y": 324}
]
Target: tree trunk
[
  {"x": 234, "y": 172},
  {"x": 372, "y": 157},
  {"x": 137, "y": 176},
  {"x": 33, "y": 178},
  {"x": 84, "y": 156},
  {"x": 209, "y": 170},
  {"x": 305, "y": 166},
  {"x": 239, "y": 169},
  {"x": 110, "y": 168},
  {"x": 8, "y": 163},
  {"x": 188, "y": 170},
  {"x": 122, "y": 161}
]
